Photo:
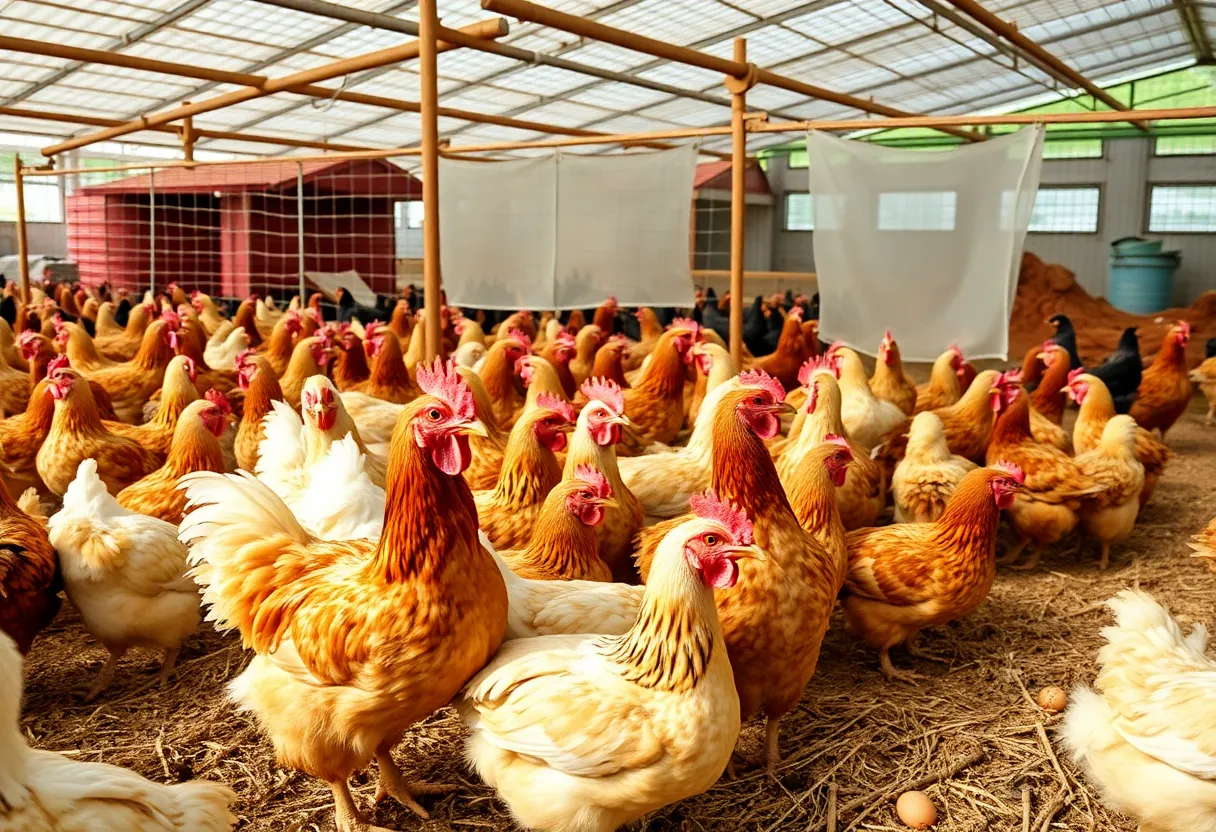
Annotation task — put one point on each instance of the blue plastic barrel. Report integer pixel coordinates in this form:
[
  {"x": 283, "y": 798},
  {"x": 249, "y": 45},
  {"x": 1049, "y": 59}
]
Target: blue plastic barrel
[
  {"x": 1142, "y": 283},
  {"x": 1135, "y": 245}
]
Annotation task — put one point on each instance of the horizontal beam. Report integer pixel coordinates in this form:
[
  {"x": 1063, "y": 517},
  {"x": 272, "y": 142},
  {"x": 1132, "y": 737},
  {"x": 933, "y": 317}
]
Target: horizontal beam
[
  {"x": 381, "y": 57},
  {"x": 753, "y": 126},
  {"x": 223, "y": 135},
  {"x": 595, "y": 30}
]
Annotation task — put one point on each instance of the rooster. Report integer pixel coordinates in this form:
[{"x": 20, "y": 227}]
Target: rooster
[
  {"x": 1145, "y": 737},
  {"x": 655, "y": 404},
  {"x": 529, "y": 472},
  {"x": 419, "y": 611},
  {"x": 593, "y": 443},
  {"x": 124, "y": 572},
  {"x": 77, "y": 433},
  {"x": 195, "y": 447},
  {"x": 774, "y": 630},
  {"x": 943, "y": 388},
  {"x": 907, "y": 577},
  {"x": 592, "y": 732},
  {"x": 889, "y": 382},
  {"x": 29, "y": 575},
  {"x": 1165, "y": 388}
]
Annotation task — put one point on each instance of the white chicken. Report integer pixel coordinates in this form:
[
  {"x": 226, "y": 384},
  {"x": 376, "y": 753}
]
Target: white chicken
[
  {"x": 588, "y": 733},
  {"x": 124, "y": 572},
  {"x": 225, "y": 345},
  {"x": 341, "y": 502},
  {"x": 866, "y": 417},
  {"x": 41, "y": 791},
  {"x": 1147, "y": 737}
]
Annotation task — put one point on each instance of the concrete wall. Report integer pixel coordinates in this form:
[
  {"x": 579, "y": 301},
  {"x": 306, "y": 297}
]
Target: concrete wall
[
  {"x": 1124, "y": 174},
  {"x": 44, "y": 238}
]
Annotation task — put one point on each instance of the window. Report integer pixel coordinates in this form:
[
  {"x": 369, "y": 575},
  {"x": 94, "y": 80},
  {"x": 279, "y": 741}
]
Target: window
[
  {"x": 1185, "y": 146},
  {"x": 799, "y": 212},
  {"x": 1072, "y": 149},
  {"x": 1182, "y": 208},
  {"x": 409, "y": 214},
  {"x": 1066, "y": 210},
  {"x": 798, "y": 159},
  {"x": 917, "y": 211},
  {"x": 42, "y": 199}
]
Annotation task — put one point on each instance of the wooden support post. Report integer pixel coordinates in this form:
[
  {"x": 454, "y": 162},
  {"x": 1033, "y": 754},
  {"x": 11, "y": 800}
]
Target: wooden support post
[
  {"x": 188, "y": 135},
  {"x": 428, "y": 22},
  {"x": 23, "y": 246},
  {"x": 738, "y": 88}
]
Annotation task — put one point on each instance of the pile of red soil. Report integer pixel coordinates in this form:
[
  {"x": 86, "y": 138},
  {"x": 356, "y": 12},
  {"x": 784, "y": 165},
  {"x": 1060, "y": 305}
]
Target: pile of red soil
[{"x": 1046, "y": 289}]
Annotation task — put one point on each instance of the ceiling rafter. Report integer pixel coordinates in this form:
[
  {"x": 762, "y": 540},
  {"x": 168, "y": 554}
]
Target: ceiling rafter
[{"x": 1196, "y": 31}]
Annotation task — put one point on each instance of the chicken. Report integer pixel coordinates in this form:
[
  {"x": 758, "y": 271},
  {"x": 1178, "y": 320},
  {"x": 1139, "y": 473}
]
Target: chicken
[
  {"x": 77, "y": 433},
  {"x": 1047, "y": 401},
  {"x": 862, "y": 494},
  {"x": 307, "y": 360},
  {"x": 650, "y": 331},
  {"x": 714, "y": 366},
  {"x": 539, "y": 376},
  {"x": 1048, "y": 508},
  {"x": 609, "y": 361},
  {"x": 350, "y": 367},
  {"x": 132, "y": 383},
  {"x": 529, "y": 472},
  {"x": 266, "y": 314},
  {"x": 784, "y": 362},
  {"x": 586, "y": 344},
  {"x": 1096, "y": 409},
  {"x": 1165, "y": 389},
  {"x": 418, "y": 612},
  {"x": 593, "y": 443},
  {"x": 1111, "y": 515},
  {"x": 1204, "y": 376},
  {"x": 943, "y": 388},
  {"x": 208, "y": 312},
  {"x": 558, "y": 352},
  {"x": 655, "y": 404},
  {"x": 14, "y": 389},
  {"x": 1123, "y": 370},
  {"x": 29, "y": 576},
  {"x": 388, "y": 378},
  {"x": 910, "y": 576},
  {"x": 1146, "y": 737},
  {"x": 357, "y": 513},
  {"x": 41, "y": 791},
  {"x": 591, "y": 732},
  {"x": 176, "y": 394},
  {"x": 889, "y": 382},
  {"x": 605, "y": 318},
  {"x": 261, "y": 388},
  {"x": 81, "y": 350},
  {"x": 866, "y": 417},
  {"x": 21, "y": 438},
  {"x": 225, "y": 345},
  {"x": 488, "y": 450},
  {"x": 498, "y": 375},
  {"x": 121, "y": 343},
  {"x": 278, "y": 347},
  {"x": 563, "y": 545},
  {"x": 928, "y": 474},
  {"x": 8, "y": 348},
  {"x": 196, "y": 447},
  {"x": 125, "y": 573},
  {"x": 773, "y": 631}
]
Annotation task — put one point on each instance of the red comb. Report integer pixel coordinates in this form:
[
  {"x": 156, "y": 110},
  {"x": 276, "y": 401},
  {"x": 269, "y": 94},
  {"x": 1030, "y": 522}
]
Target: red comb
[
  {"x": 1072, "y": 374},
  {"x": 954, "y": 348},
  {"x": 1186, "y": 328},
  {"x": 709, "y": 507},
  {"x": 59, "y": 362},
  {"x": 1012, "y": 469},
  {"x": 887, "y": 336},
  {"x": 686, "y": 323},
  {"x": 795, "y": 313},
  {"x": 564, "y": 337},
  {"x": 607, "y": 391},
  {"x": 443, "y": 382},
  {"x": 812, "y": 365},
  {"x": 171, "y": 318},
  {"x": 218, "y": 399},
  {"x": 520, "y": 336},
  {"x": 597, "y": 481},
  {"x": 549, "y": 401},
  {"x": 836, "y": 439},
  {"x": 761, "y": 379}
]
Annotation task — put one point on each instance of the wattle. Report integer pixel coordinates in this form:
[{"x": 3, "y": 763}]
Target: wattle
[
  {"x": 720, "y": 573},
  {"x": 452, "y": 454}
]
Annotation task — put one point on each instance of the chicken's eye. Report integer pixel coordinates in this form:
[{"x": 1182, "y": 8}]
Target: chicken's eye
[
  {"x": 711, "y": 540},
  {"x": 757, "y": 400},
  {"x": 587, "y": 495},
  {"x": 434, "y": 415}
]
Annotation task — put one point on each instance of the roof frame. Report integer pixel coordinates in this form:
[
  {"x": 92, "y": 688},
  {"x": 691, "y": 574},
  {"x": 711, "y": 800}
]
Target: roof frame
[{"x": 1196, "y": 31}]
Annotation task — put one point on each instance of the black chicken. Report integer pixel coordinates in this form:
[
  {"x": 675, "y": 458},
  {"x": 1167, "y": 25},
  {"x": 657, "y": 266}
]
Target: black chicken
[
  {"x": 1209, "y": 349},
  {"x": 1120, "y": 371},
  {"x": 714, "y": 318},
  {"x": 348, "y": 309},
  {"x": 1066, "y": 337}
]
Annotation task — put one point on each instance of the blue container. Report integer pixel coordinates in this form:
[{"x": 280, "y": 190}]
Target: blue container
[
  {"x": 1135, "y": 245},
  {"x": 1142, "y": 283}
]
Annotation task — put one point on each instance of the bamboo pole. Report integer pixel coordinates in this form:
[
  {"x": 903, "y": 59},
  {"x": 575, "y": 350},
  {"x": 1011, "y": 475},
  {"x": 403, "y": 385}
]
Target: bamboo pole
[
  {"x": 188, "y": 136},
  {"x": 347, "y": 66},
  {"x": 524, "y": 10},
  {"x": 23, "y": 247},
  {"x": 428, "y": 23},
  {"x": 754, "y": 126},
  {"x": 738, "y": 88}
]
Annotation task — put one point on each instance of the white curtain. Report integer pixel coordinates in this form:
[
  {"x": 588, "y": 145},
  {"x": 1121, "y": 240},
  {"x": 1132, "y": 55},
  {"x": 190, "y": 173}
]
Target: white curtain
[
  {"x": 566, "y": 231},
  {"x": 926, "y": 244}
]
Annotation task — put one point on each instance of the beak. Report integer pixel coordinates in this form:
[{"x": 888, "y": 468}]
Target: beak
[
  {"x": 752, "y": 552},
  {"x": 621, "y": 420},
  {"x": 609, "y": 502},
  {"x": 1041, "y": 356},
  {"x": 787, "y": 409},
  {"x": 567, "y": 428},
  {"x": 475, "y": 428}
]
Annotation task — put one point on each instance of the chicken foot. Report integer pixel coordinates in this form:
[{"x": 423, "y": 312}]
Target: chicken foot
[
  {"x": 912, "y": 643},
  {"x": 346, "y": 815},
  {"x": 772, "y": 750},
  {"x": 889, "y": 670},
  {"x": 1035, "y": 554},
  {"x": 394, "y": 784},
  {"x": 107, "y": 673},
  {"x": 1014, "y": 553},
  {"x": 166, "y": 666},
  {"x": 1104, "y": 563}
]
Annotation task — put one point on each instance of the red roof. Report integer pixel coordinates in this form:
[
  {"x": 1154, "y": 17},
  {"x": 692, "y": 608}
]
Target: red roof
[
  {"x": 366, "y": 177},
  {"x": 716, "y": 175}
]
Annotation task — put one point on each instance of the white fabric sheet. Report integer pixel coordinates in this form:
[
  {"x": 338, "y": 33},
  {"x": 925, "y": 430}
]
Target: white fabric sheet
[
  {"x": 328, "y": 283},
  {"x": 926, "y": 244},
  {"x": 566, "y": 231}
]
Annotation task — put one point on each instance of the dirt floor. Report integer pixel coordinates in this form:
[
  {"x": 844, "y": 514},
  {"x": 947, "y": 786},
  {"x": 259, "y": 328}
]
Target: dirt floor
[{"x": 855, "y": 734}]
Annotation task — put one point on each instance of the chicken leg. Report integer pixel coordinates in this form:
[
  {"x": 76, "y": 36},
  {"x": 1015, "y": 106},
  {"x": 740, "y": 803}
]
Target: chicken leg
[
  {"x": 1035, "y": 554},
  {"x": 912, "y": 643},
  {"x": 166, "y": 666},
  {"x": 394, "y": 784},
  {"x": 1014, "y": 553},
  {"x": 346, "y": 814},
  {"x": 889, "y": 670},
  {"x": 107, "y": 673},
  {"x": 772, "y": 750}
]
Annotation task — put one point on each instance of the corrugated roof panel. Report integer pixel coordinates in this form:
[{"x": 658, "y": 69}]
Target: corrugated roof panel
[
  {"x": 605, "y": 56},
  {"x": 542, "y": 80},
  {"x": 678, "y": 21},
  {"x": 618, "y": 96},
  {"x": 841, "y": 22}
]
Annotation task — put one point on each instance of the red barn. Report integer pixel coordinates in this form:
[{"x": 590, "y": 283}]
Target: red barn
[{"x": 233, "y": 229}]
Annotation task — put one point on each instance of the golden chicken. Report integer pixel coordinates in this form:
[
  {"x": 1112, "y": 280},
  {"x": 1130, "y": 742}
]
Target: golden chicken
[
  {"x": 1165, "y": 388},
  {"x": 944, "y": 387},
  {"x": 655, "y": 404},
  {"x": 889, "y": 382},
  {"x": 866, "y": 417},
  {"x": 1110, "y": 515},
  {"x": 928, "y": 474}
]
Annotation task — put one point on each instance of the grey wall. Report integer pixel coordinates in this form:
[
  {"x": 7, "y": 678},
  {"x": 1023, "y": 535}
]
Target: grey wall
[
  {"x": 44, "y": 238},
  {"x": 1125, "y": 174}
]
